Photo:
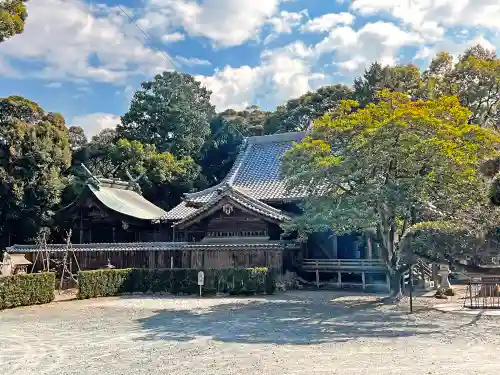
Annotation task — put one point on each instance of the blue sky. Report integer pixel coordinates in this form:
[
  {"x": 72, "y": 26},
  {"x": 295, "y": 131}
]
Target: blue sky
[{"x": 85, "y": 58}]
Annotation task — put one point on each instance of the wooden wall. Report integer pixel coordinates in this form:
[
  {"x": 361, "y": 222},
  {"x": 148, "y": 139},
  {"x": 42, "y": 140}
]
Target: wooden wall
[{"x": 89, "y": 260}]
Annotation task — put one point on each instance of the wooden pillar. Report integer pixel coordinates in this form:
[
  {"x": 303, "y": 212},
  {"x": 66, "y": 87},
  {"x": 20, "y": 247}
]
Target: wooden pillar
[
  {"x": 369, "y": 250},
  {"x": 363, "y": 280},
  {"x": 388, "y": 281},
  {"x": 317, "y": 275},
  {"x": 435, "y": 276},
  {"x": 339, "y": 279},
  {"x": 335, "y": 246},
  {"x": 81, "y": 228},
  {"x": 151, "y": 260},
  {"x": 171, "y": 261}
]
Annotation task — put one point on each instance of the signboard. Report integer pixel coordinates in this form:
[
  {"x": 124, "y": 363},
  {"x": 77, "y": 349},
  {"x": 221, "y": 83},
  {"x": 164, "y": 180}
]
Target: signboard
[{"x": 201, "y": 278}]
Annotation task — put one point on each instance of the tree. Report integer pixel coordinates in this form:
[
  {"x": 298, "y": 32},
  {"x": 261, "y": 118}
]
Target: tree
[
  {"x": 172, "y": 112},
  {"x": 228, "y": 129},
  {"x": 34, "y": 151},
  {"x": 297, "y": 114},
  {"x": 400, "y": 78},
  {"x": 381, "y": 168},
  {"x": 77, "y": 138},
  {"x": 475, "y": 79},
  {"x": 13, "y": 15}
]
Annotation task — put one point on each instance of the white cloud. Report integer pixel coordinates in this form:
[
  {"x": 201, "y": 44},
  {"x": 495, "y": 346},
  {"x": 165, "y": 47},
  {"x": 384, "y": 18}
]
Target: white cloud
[
  {"x": 443, "y": 13},
  {"x": 284, "y": 23},
  {"x": 191, "y": 61},
  {"x": 71, "y": 43},
  {"x": 355, "y": 49},
  {"x": 284, "y": 73},
  {"x": 53, "y": 85},
  {"x": 93, "y": 123},
  {"x": 172, "y": 38},
  {"x": 453, "y": 47},
  {"x": 327, "y": 21},
  {"x": 225, "y": 22}
]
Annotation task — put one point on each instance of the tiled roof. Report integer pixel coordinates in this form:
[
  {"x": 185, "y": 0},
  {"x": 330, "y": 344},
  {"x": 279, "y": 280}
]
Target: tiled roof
[
  {"x": 240, "y": 198},
  {"x": 256, "y": 170},
  {"x": 179, "y": 212},
  {"x": 121, "y": 197},
  {"x": 255, "y": 174},
  {"x": 151, "y": 246}
]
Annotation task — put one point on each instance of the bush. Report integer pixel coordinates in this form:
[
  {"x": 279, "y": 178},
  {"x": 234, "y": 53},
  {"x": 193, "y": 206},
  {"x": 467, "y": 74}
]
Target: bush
[
  {"x": 27, "y": 289},
  {"x": 101, "y": 283}
]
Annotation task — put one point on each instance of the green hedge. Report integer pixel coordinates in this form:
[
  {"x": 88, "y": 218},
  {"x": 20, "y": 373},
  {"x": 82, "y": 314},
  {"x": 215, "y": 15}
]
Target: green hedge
[
  {"x": 27, "y": 289},
  {"x": 101, "y": 283}
]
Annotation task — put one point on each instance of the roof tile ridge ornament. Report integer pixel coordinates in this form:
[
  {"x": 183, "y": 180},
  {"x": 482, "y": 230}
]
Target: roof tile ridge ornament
[
  {"x": 278, "y": 137},
  {"x": 93, "y": 180}
]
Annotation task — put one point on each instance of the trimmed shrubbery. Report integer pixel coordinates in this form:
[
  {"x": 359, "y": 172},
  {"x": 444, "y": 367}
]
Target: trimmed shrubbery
[
  {"x": 100, "y": 283},
  {"x": 27, "y": 289}
]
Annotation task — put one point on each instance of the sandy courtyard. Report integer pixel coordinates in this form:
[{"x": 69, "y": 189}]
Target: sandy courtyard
[{"x": 294, "y": 333}]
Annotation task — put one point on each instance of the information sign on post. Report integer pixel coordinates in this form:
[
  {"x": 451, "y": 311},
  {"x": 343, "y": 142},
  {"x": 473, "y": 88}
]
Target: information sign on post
[{"x": 201, "y": 280}]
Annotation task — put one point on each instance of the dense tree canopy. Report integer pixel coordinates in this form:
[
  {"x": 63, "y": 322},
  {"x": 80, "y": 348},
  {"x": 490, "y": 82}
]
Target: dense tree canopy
[
  {"x": 381, "y": 168},
  {"x": 172, "y": 112},
  {"x": 13, "y": 14},
  {"x": 297, "y": 114},
  {"x": 227, "y": 131},
  {"x": 34, "y": 151}
]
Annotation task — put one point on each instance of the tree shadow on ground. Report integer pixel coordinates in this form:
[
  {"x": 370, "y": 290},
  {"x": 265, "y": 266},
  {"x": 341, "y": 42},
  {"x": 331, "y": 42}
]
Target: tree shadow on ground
[{"x": 291, "y": 321}]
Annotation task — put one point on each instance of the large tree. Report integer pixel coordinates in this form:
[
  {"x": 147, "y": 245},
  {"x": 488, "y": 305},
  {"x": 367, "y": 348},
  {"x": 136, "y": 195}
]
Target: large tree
[
  {"x": 297, "y": 114},
  {"x": 34, "y": 151},
  {"x": 474, "y": 78},
  {"x": 13, "y": 14},
  {"x": 228, "y": 129},
  {"x": 382, "y": 168},
  {"x": 399, "y": 78},
  {"x": 172, "y": 112}
]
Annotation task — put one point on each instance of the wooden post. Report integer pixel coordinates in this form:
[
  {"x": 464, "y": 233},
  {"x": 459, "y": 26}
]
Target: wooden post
[
  {"x": 151, "y": 259},
  {"x": 317, "y": 275},
  {"x": 171, "y": 261},
  {"x": 369, "y": 250},
  {"x": 388, "y": 281},
  {"x": 339, "y": 279},
  {"x": 335, "y": 246},
  {"x": 363, "y": 280},
  {"x": 81, "y": 227}
]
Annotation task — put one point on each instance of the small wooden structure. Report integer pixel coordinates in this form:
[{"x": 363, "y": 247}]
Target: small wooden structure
[{"x": 13, "y": 264}]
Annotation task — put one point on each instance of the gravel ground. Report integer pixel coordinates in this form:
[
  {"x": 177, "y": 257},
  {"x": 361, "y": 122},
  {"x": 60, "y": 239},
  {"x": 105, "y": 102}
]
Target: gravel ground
[{"x": 293, "y": 333}]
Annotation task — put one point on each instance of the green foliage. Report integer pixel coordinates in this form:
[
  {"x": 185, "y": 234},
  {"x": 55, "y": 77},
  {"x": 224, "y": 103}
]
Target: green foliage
[
  {"x": 172, "y": 112},
  {"x": 441, "y": 241},
  {"x": 297, "y": 114},
  {"x": 26, "y": 289},
  {"x": 34, "y": 153},
  {"x": 228, "y": 130},
  {"x": 475, "y": 79},
  {"x": 400, "y": 78},
  {"x": 13, "y": 15},
  {"x": 384, "y": 167},
  {"x": 112, "y": 282}
]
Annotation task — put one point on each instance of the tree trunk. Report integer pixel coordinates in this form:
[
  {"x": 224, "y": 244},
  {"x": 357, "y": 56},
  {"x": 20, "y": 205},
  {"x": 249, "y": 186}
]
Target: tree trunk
[{"x": 395, "y": 284}]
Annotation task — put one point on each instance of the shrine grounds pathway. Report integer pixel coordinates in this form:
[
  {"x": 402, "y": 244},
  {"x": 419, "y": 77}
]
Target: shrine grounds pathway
[{"x": 292, "y": 333}]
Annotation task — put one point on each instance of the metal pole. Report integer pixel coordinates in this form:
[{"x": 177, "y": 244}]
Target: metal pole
[{"x": 410, "y": 282}]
